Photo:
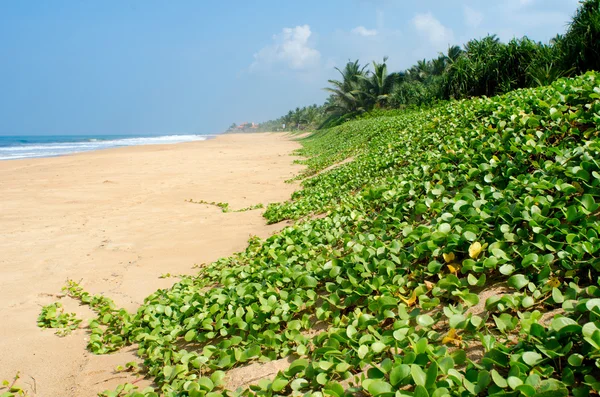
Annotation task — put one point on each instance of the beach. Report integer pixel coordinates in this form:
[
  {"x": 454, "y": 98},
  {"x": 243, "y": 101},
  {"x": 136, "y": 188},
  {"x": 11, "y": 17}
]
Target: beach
[{"x": 117, "y": 220}]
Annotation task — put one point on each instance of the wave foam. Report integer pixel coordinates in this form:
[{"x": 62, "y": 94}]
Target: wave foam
[{"x": 50, "y": 149}]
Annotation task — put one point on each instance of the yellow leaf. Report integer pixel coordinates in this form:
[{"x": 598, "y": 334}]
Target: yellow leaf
[
  {"x": 412, "y": 299},
  {"x": 452, "y": 338},
  {"x": 554, "y": 282},
  {"x": 475, "y": 249},
  {"x": 448, "y": 257},
  {"x": 453, "y": 267}
]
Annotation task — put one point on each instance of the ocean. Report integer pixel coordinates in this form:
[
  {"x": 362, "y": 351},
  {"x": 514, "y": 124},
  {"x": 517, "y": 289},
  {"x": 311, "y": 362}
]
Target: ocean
[{"x": 20, "y": 147}]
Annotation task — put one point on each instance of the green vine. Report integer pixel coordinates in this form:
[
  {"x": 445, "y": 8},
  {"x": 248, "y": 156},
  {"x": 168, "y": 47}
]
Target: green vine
[
  {"x": 459, "y": 256},
  {"x": 54, "y": 316},
  {"x": 225, "y": 206}
]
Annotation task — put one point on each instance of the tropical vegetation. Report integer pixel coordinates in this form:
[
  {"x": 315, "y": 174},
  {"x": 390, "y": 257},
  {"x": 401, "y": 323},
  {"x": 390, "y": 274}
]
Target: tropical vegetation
[
  {"x": 481, "y": 67},
  {"x": 457, "y": 254}
]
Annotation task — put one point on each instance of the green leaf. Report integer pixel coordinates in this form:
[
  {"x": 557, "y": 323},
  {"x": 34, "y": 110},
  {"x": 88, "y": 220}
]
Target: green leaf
[
  {"x": 445, "y": 228},
  {"x": 483, "y": 379},
  {"x": 588, "y": 203},
  {"x": 378, "y": 387},
  {"x": 514, "y": 382},
  {"x": 334, "y": 389},
  {"x": 518, "y": 281},
  {"x": 399, "y": 373},
  {"x": 457, "y": 321},
  {"x": 322, "y": 378},
  {"x": 575, "y": 359},
  {"x": 529, "y": 259},
  {"x": 498, "y": 253},
  {"x": 421, "y": 391},
  {"x": 560, "y": 322},
  {"x": 469, "y": 236},
  {"x": 557, "y": 296},
  {"x": 363, "y": 350},
  {"x": 325, "y": 365},
  {"x": 351, "y": 331},
  {"x": 526, "y": 390},
  {"x": 378, "y": 347},
  {"x": 498, "y": 379},
  {"x": 342, "y": 367},
  {"x": 507, "y": 269},
  {"x": 593, "y": 305},
  {"x": 418, "y": 375},
  {"x": 297, "y": 366},
  {"x": 425, "y": 320},
  {"x": 431, "y": 375},
  {"x": 532, "y": 358},
  {"x": 505, "y": 322},
  {"x": 190, "y": 335},
  {"x": 205, "y": 383},
  {"x": 299, "y": 384},
  {"x": 279, "y": 384},
  {"x": 446, "y": 364},
  {"x": 527, "y": 302}
]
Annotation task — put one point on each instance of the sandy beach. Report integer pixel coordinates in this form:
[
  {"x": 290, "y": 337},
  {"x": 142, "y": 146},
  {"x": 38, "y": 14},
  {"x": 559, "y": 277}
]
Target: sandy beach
[{"x": 117, "y": 220}]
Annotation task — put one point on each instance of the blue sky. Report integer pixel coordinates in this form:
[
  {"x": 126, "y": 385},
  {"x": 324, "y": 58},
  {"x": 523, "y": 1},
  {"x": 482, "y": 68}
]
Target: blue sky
[{"x": 172, "y": 67}]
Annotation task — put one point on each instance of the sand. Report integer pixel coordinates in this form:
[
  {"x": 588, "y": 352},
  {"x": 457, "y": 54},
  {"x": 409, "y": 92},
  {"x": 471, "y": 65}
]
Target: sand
[{"x": 117, "y": 220}]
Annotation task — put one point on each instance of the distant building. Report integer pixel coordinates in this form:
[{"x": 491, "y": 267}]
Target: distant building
[{"x": 245, "y": 126}]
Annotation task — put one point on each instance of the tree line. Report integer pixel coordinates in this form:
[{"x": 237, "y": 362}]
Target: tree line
[{"x": 480, "y": 67}]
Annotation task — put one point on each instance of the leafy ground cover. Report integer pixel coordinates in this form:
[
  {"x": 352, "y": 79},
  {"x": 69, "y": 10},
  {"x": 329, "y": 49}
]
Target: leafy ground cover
[
  {"x": 12, "y": 388},
  {"x": 495, "y": 197},
  {"x": 54, "y": 316}
]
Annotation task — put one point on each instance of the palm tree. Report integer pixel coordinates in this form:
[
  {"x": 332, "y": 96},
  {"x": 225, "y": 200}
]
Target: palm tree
[
  {"x": 541, "y": 75},
  {"x": 420, "y": 72},
  {"x": 347, "y": 94},
  {"x": 438, "y": 65},
  {"x": 580, "y": 46},
  {"x": 287, "y": 119},
  {"x": 378, "y": 84},
  {"x": 453, "y": 53},
  {"x": 458, "y": 78},
  {"x": 476, "y": 71},
  {"x": 297, "y": 117},
  {"x": 310, "y": 114}
]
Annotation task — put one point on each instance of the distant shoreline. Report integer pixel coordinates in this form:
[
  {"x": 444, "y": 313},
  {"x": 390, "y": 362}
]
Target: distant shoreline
[{"x": 27, "y": 147}]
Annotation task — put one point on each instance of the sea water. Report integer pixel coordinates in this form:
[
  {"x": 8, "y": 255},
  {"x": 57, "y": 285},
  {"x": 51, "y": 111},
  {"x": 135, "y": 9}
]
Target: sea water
[{"x": 19, "y": 147}]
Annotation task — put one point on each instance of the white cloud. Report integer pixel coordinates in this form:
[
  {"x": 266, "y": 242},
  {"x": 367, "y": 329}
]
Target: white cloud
[
  {"x": 473, "y": 18},
  {"x": 362, "y": 31},
  {"x": 437, "y": 34},
  {"x": 291, "y": 47}
]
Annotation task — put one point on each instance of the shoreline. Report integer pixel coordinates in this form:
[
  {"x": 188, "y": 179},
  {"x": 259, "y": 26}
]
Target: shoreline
[
  {"x": 98, "y": 141},
  {"x": 117, "y": 219}
]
